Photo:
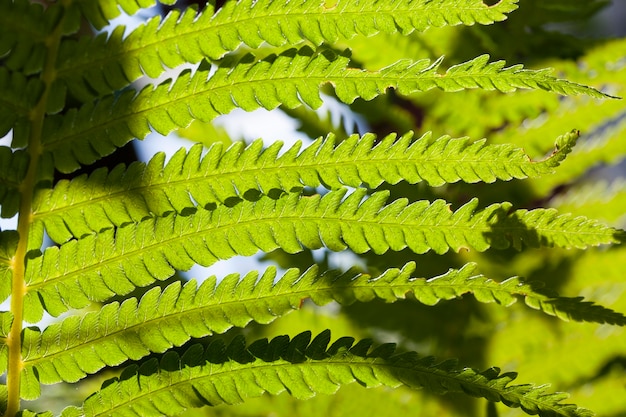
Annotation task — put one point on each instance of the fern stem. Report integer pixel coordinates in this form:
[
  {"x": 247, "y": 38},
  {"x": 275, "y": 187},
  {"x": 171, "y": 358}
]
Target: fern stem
[{"x": 19, "y": 288}]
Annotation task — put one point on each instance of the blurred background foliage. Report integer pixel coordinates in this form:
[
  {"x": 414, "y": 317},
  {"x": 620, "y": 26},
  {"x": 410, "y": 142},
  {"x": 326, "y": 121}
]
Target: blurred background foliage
[{"x": 584, "y": 41}]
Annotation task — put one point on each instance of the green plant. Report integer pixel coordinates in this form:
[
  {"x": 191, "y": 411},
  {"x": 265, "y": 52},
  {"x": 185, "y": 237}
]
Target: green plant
[{"x": 120, "y": 235}]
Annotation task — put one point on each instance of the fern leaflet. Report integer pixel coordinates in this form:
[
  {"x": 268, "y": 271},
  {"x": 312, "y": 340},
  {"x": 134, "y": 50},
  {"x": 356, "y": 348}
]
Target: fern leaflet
[
  {"x": 124, "y": 196},
  {"x": 18, "y": 96},
  {"x": 23, "y": 28},
  {"x": 13, "y": 165},
  {"x": 597, "y": 148},
  {"x": 8, "y": 246},
  {"x": 116, "y": 261},
  {"x": 290, "y": 79},
  {"x": 190, "y": 37},
  {"x": 81, "y": 345},
  {"x": 303, "y": 367},
  {"x": 6, "y": 320}
]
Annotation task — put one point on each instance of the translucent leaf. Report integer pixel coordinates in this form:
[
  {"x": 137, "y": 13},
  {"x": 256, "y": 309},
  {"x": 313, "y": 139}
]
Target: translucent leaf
[
  {"x": 30, "y": 389},
  {"x": 305, "y": 367},
  {"x": 116, "y": 261},
  {"x": 129, "y": 195},
  {"x": 8, "y": 246},
  {"x": 291, "y": 79},
  {"x": 190, "y": 37},
  {"x": 81, "y": 345},
  {"x": 6, "y": 320}
]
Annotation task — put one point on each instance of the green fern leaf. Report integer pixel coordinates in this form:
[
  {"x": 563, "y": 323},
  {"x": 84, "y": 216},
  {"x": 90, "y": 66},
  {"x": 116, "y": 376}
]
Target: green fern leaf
[
  {"x": 124, "y": 196},
  {"x": 18, "y": 95},
  {"x": 586, "y": 115},
  {"x": 575, "y": 309},
  {"x": 23, "y": 27},
  {"x": 116, "y": 261},
  {"x": 290, "y": 79},
  {"x": 72, "y": 349},
  {"x": 6, "y": 320},
  {"x": 190, "y": 37},
  {"x": 605, "y": 147},
  {"x": 8, "y": 247},
  {"x": 303, "y": 367},
  {"x": 30, "y": 387},
  {"x": 13, "y": 166}
]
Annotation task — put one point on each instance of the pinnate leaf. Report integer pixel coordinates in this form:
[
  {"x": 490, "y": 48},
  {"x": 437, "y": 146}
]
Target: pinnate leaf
[
  {"x": 291, "y": 79},
  {"x": 118, "y": 260},
  {"x": 129, "y": 195},
  {"x": 81, "y": 345},
  {"x": 302, "y": 367},
  {"x": 114, "y": 63}
]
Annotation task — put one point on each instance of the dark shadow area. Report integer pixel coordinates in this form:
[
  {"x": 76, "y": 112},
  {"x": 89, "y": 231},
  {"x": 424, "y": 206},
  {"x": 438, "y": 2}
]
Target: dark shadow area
[{"x": 125, "y": 155}]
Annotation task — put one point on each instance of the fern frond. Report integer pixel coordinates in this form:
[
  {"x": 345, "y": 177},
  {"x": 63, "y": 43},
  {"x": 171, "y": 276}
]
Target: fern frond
[
  {"x": 6, "y": 320},
  {"x": 605, "y": 69},
  {"x": 87, "y": 205},
  {"x": 23, "y": 28},
  {"x": 18, "y": 95},
  {"x": 607, "y": 146},
  {"x": 574, "y": 308},
  {"x": 8, "y": 246},
  {"x": 190, "y": 37},
  {"x": 116, "y": 261},
  {"x": 303, "y": 367},
  {"x": 290, "y": 79},
  {"x": 72, "y": 349},
  {"x": 13, "y": 166},
  {"x": 365, "y": 51},
  {"x": 497, "y": 112}
]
